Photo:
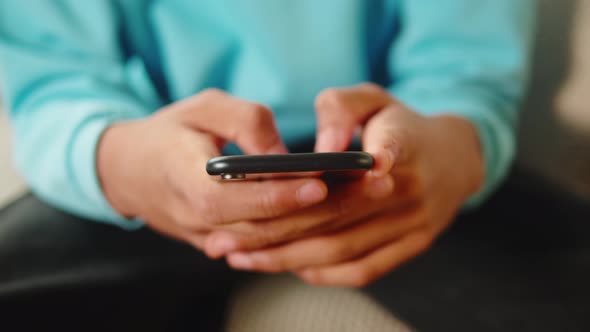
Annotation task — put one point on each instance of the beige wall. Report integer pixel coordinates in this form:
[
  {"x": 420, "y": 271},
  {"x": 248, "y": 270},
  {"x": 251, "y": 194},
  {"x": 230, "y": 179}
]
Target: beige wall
[
  {"x": 574, "y": 101},
  {"x": 11, "y": 185},
  {"x": 554, "y": 137}
]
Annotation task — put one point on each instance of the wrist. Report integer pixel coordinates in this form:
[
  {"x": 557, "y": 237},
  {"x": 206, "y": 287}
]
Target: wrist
[
  {"x": 467, "y": 161},
  {"x": 110, "y": 165}
]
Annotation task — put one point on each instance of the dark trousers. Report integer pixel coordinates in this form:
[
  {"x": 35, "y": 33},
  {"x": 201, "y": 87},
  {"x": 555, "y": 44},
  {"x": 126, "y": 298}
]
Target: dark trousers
[{"x": 519, "y": 263}]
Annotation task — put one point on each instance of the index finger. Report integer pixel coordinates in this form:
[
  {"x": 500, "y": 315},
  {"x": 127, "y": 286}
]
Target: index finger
[
  {"x": 340, "y": 111},
  {"x": 250, "y": 125}
]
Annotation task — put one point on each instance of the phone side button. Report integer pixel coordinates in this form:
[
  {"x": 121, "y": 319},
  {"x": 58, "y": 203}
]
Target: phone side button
[{"x": 233, "y": 176}]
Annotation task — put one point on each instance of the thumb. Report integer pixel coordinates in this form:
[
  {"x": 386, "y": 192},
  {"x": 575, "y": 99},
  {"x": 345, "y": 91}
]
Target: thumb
[
  {"x": 386, "y": 138},
  {"x": 340, "y": 111}
]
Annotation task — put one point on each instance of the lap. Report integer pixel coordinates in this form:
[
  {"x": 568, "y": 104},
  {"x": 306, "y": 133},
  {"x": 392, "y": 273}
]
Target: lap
[
  {"x": 521, "y": 262},
  {"x": 69, "y": 271}
]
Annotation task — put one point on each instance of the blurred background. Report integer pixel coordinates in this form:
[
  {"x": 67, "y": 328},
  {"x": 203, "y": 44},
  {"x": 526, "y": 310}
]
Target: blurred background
[
  {"x": 11, "y": 185},
  {"x": 554, "y": 139}
]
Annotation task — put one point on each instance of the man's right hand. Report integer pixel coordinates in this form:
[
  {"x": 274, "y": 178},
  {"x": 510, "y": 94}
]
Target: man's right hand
[{"x": 154, "y": 169}]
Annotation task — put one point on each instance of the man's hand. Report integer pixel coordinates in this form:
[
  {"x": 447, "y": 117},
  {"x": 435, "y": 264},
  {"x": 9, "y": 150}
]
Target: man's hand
[
  {"x": 368, "y": 228},
  {"x": 154, "y": 169}
]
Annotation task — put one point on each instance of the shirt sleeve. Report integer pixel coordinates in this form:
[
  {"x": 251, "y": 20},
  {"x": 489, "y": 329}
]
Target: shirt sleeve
[
  {"x": 468, "y": 58},
  {"x": 65, "y": 79}
]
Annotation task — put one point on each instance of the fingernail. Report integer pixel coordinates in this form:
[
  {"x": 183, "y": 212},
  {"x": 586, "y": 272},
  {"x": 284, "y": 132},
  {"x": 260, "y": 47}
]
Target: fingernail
[
  {"x": 380, "y": 187},
  {"x": 328, "y": 140},
  {"x": 240, "y": 261},
  {"x": 385, "y": 160},
  {"x": 222, "y": 245},
  {"x": 310, "y": 193},
  {"x": 277, "y": 149},
  {"x": 390, "y": 157}
]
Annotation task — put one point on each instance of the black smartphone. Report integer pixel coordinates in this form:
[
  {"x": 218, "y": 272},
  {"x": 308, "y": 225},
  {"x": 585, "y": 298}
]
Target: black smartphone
[{"x": 237, "y": 167}]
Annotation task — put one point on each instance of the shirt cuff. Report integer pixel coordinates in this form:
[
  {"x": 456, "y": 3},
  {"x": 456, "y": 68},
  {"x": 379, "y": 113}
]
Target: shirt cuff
[{"x": 83, "y": 164}]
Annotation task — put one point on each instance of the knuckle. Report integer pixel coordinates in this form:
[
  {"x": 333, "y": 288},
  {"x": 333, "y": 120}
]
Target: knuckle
[
  {"x": 212, "y": 93},
  {"x": 397, "y": 138},
  {"x": 280, "y": 233},
  {"x": 371, "y": 87},
  {"x": 265, "y": 234},
  {"x": 315, "y": 278},
  {"x": 360, "y": 277},
  {"x": 329, "y": 98},
  {"x": 336, "y": 250},
  {"x": 275, "y": 265},
  {"x": 269, "y": 203},
  {"x": 257, "y": 116},
  {"x": 288, "y": 231},
  {"x": 266, "y": 238}
]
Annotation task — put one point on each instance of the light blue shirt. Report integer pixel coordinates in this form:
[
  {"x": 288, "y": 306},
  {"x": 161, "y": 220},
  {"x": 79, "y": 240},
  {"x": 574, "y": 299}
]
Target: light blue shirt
[{"x": 71, "y": 68}]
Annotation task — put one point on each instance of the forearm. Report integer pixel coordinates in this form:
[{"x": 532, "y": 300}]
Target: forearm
[
  {"x": 64, "y": 81},
  {"x": 468, "y": 59},
  {"x": 55, "y": 150}
]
